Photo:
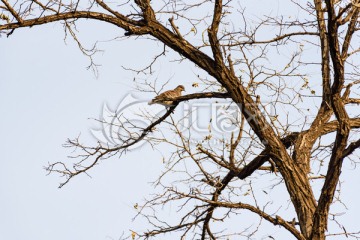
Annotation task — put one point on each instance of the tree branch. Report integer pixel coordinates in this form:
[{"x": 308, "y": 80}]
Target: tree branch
[
  {"x": 127, "y": 24},
  {"x": 351, "y": 148},
  {"x": 212, "y": 32},
  {"x": 12, "y": 11}
]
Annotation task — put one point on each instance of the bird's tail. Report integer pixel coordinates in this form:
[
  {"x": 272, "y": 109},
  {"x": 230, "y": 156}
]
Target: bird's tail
[{"x": 151, "y": 102}]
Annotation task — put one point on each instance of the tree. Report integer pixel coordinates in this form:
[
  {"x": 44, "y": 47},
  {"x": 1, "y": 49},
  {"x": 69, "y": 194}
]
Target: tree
[{"x": 273, "y": 61}]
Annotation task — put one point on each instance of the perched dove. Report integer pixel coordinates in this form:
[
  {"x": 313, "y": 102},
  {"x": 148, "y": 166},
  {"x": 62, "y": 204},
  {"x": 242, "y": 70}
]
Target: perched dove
[{"x": 168, "y": 94}]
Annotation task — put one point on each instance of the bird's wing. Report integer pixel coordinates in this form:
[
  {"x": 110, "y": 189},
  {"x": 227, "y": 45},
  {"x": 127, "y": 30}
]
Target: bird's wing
[{"x": 167, "y": 94}]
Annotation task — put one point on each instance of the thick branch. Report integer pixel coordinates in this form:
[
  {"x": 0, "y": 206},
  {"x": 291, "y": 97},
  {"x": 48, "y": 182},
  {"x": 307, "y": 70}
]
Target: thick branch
[
  {"x": 126, "y": 25},
  {"x": 12, "y": 11},
  {"x": 214, "y": 41},
  {"x": 289, "y": 141},
  {"x": 350, "y": 33},
  {"x": 199, "y": 96},
  {"x": 351, "y": 148},
  {"x": 264, "y": 157}
]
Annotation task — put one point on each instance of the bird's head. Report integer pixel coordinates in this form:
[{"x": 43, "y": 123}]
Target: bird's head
[{"x": 180, "y": 88}]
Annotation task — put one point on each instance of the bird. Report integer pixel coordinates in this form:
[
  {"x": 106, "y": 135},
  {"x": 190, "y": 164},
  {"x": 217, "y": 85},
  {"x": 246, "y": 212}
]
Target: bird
[{"x": 167, "y": 94}]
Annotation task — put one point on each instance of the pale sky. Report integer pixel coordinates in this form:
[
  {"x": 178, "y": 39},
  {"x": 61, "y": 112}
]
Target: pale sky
[{"x": 46, "y": 96}]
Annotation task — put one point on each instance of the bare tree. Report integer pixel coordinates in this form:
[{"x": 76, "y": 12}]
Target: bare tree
[{"x": 279, "y": 61}]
